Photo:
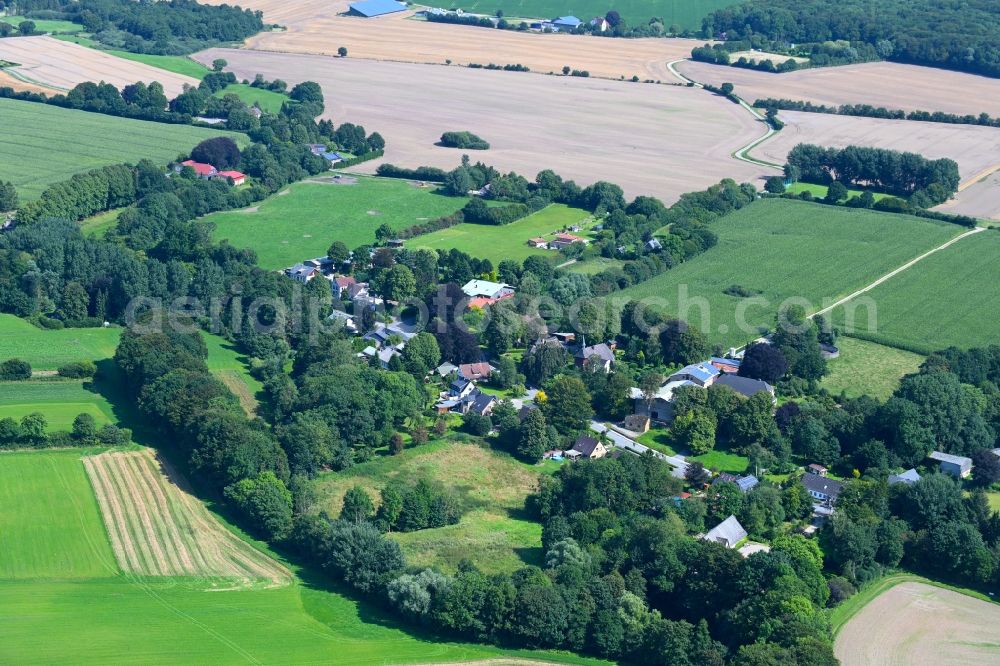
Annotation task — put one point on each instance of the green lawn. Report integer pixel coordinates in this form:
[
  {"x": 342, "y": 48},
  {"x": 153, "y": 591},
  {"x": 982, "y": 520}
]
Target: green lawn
[
  {"x": 658, "y": 439},
  {"x": 490, "y": 487},
  {"x": 42, "y": 25},
  {"x": 868, "y": 368},
  {"x": 50, "y": 526},
  {"x": 59, "y": 580},
  {"x": 301, "y": 224},
  {"x": 229, "y": 365},
  {"x": 60, "y": 400},
  {"x": 785, "y": 249},
  {"x": 96, "y": 225},
  {"x": 685, "y": 13},
  {"x": 41, "y": 144},
  {"x": 722, "y": 461},
  {"x": 47, "y": 350},
  {"x": 595, "y": 265},
  {"x": 949, "y": 298},
  {"x": 819, "y": 191},
  {"x": 509, "y": 241},
  {"x": 268, "y": 100}
]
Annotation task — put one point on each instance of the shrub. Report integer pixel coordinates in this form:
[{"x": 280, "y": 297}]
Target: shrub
[
  {"x": 15, "y": 369},
  {"x": 78, "y": 370},
  {"x": 466, "y": 140}
]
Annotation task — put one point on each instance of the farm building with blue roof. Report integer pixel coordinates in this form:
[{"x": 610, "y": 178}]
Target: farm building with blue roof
[{"x": 372, "y": 8}]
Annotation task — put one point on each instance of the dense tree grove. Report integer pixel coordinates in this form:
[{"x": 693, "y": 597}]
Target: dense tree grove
[
  {"x": 926, "y": 182},
  {"x": 962, "y": 36},
  {"x": 869, "y": 111},
  {"x": 164, "y": 28}
]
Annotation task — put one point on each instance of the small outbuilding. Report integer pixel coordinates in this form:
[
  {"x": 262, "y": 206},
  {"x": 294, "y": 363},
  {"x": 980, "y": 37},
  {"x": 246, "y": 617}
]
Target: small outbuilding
[{"x": 728, "y": 533}]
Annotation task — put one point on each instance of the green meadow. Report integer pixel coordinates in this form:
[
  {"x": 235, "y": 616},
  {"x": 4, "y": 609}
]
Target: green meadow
[
  {"x": 301, "y": 222},
  {"x": 948, "y": 299},
  {"x": 509, "y": 241},
  {"x": 60, "y": 400},
  {"x": 783, "y": 249},
  {"x": 47, "y": 350},
  {"x": 819, "y": 191},
  {"x": 867, "y": 367},
  {"x": 41, "y": 144},
  {"x": 44, "y": 25}
]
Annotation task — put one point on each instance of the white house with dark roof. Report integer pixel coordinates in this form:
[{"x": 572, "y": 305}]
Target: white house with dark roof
[
  {"x": 822, "y": 488},
  {"x": 604, "y": 354}
]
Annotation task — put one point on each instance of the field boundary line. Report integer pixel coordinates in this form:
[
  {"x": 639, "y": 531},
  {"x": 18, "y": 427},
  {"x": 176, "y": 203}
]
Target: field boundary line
[
  {"x": 972, "y": 180},
  {"x": 897, "y": 271}
]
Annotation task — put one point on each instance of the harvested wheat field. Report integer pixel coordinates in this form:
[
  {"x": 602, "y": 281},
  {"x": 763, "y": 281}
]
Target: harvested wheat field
[
  {"x": 913, "y": 624},
  {"x": 7, "y": 80},
  {"x": 979, "y": 197},
  {"x": 157, "y": 528},
  {"x": 57, "y": 64},
  {"x": 658, "y": 140},
  {"x": 320, "y": 29},
  {"x": 894, "y": 86}
]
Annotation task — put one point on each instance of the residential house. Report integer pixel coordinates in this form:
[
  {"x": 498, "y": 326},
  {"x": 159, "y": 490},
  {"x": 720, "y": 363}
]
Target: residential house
[
  {"x": 659, "y": 407},
  {"x": 461, "y": 388},
  {"x": 203, "y": 170},
  {"x": 564, "y": 240},
  {"x": 822, "y": 488},
  {"x": 324, "y": 264},
  {"x": 909, "y": 477},
  {"x": 385, "y": 355},
  {"x": 539, "y": 242},
  {"x": 382, "y": 333},
  {"x": 699, "y": 374},
  {"x": 745, "y": 483},
  {"x": 481, "y": 403},
  {"x": 654, "y": 244},
  {"x": 957, "y": 466},
  {"x": 346, "y": 318},
  {"x": 237, "y": 177},
  {"x": 729, "y": 533},
  {"x": 602, "y": 353},
  {"x": 341, "y": 283},
  {"x": 475, "y": 372},
  {"x": 492, "y": 291},
  {"x": 600, "y": 24},
  {"x": 745, "y": 386},
  {"x": 589, "y": 447},
  {"x": 302, "y": 273},
  {"x": 445, "y": 369},
  {"x": 255, "y": 111},
  {"x": 815, "y": 468}
]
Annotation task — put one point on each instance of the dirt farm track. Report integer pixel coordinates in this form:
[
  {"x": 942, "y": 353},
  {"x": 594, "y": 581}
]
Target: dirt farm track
[
  {"x": 661, "y": 140},
  {"x": 313, "y": 27},
  {"x": 915, "y": 624}
]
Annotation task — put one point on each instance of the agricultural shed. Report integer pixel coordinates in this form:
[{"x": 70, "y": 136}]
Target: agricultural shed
[
  {"x": 372, "y": 8},
  {"x": 728, "y": 533}
]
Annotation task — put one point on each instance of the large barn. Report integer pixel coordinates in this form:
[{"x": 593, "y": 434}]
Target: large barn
[{"x": 372, "y": 8}]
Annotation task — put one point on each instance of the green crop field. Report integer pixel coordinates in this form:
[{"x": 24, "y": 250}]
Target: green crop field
[
  {"x": 59, "y": 580},
  {"x": 50, "y": 526},
  {"x": 41, "y": 144},
  {"x": 47, "y": 350},
  {"x": 489, "y": 486},
  {"x": 60, "y": 400},
  {"x": 43, "y": 25},
  {"x": 176, "y": 64},
  {"x": 302, "y": 222},
  {"x": 509, "y": 241},
  {"x": 685, "y": 13},
  {"x": 866, "y": 367},
  {"x": 949, "y": 298},
  {"x": 785, "y": 249}
]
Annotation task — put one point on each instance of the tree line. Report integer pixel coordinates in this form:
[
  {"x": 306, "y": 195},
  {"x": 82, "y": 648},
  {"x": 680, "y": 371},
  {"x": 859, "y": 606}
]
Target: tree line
[
  {"x": 869, "y": 111},
  {"x": 896, "y": 30}
]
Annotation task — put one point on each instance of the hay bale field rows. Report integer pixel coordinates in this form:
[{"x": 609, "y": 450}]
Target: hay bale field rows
[
  {"x": 784, "y": 249},
  {"x": 157, "y": 528},
  {"x": 41, "y": 145},
  {"x": 60, "y": 64}
]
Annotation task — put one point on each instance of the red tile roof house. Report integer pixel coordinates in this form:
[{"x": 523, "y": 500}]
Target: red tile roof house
[
  {"x": 564, "y": 240},
  {"x": 203, "y": 170},
  {"x": 474, "y": 372},
  {"x": 237, "y": 177}
]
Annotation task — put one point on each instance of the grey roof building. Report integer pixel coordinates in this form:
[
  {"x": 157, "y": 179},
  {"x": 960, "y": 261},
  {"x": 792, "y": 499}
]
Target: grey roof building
[
  {"x": 822, "y": 488},
  {"x": 728, "y": 533},
  {"x": 909, "y": 477},
  {"x": 744, "y": 385},
  {"x": 957, "y": 466}
]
